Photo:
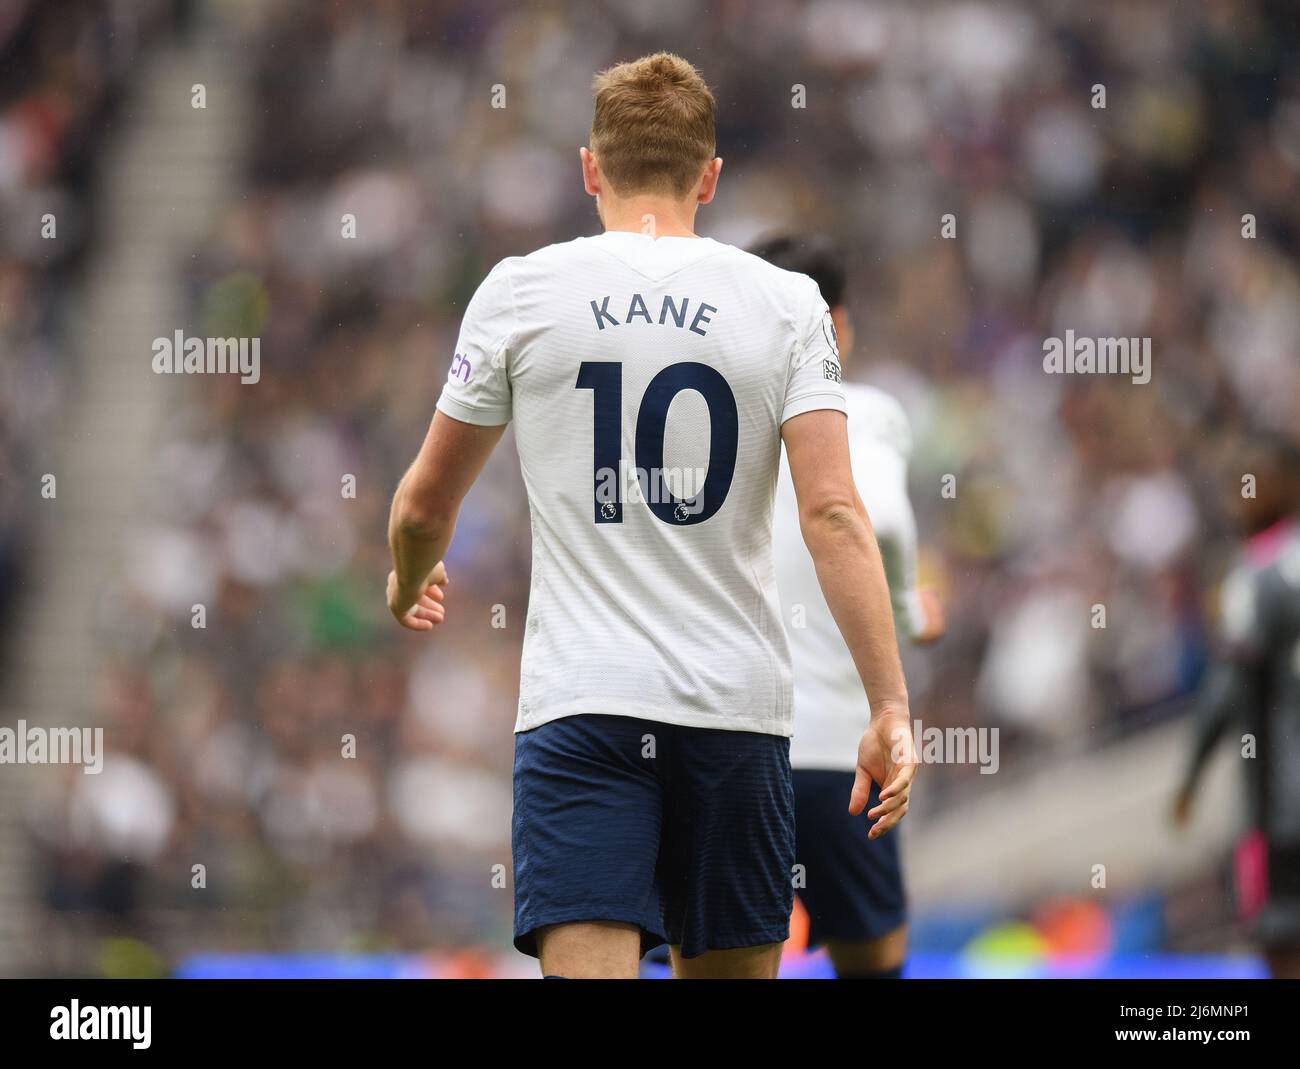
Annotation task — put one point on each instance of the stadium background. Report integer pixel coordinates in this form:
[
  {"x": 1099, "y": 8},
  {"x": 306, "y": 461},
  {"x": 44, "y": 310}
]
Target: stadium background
[{"x": 224, "y": 742}]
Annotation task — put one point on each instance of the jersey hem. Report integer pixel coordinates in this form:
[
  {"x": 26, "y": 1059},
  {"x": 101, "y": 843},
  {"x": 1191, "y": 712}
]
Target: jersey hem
[
  {"x": 813, "y": 402},
  {"x": 479, "y": 417},
  {"x": 678, "y": 718}
]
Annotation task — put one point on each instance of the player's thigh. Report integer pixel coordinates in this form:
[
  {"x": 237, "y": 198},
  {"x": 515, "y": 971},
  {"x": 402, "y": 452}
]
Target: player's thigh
[
  {"x": 588, "y": 816},
  {"x": 856, "y": 958},
  {"x": 728, "y": 841},
  {"x": 850, "y": 885},
  {"x": 590, "y": 950},
  {"x": 743, "y": 963}
]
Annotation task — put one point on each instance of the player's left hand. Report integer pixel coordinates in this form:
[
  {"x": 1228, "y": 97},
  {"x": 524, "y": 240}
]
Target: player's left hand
[
  {"x": 887, "y": 756},
  {"x": 421, "y": 610}
]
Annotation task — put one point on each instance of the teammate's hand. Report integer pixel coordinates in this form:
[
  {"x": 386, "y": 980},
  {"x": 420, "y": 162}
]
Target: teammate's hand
[
  {"x": 934, "y": 624},
  {"x": 420, "y": 610},
  {"x": 886, "y": 755}
]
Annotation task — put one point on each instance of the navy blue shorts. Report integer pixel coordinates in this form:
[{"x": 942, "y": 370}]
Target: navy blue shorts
[
  {"x": 853, "y": 886},
  {"x": 686, "y": 832}
]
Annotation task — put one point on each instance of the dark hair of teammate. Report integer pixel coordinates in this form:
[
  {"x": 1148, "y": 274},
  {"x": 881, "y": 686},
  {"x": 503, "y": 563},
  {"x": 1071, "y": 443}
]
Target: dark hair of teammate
[
  {"x": 819, "y": 259},
  {"x": 1275, "y": 461}
]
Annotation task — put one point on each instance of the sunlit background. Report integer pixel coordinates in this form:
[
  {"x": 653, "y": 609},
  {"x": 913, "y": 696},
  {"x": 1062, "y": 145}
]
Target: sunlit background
[{"x": 175, "y": 491}]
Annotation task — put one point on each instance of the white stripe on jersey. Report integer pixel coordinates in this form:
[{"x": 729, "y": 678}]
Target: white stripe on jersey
[
  {"x": 831, "y": 710},
  {"x": 648, "y": 381}
]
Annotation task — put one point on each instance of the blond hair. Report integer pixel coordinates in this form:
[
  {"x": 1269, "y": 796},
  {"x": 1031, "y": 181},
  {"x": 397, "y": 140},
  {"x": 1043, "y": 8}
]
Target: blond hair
[{"x": 653, "y": 130}]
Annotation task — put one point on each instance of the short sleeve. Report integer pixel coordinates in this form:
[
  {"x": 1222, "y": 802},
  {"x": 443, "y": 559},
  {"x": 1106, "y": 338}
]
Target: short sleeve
[
  {"x": 478, "y": 384},
  {"x": 815, "y": 378}
]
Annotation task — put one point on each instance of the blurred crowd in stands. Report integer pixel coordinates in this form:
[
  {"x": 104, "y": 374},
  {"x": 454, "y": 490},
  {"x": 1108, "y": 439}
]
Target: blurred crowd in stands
[
  {"x": 63, "y": 70},
  {"x": 1069, "y": 492}
]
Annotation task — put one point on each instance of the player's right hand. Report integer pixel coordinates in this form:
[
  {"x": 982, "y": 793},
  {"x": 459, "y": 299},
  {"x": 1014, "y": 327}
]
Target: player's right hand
[
  {"x": 887, "y": 756},
  {"x": 426, "y": 609}
]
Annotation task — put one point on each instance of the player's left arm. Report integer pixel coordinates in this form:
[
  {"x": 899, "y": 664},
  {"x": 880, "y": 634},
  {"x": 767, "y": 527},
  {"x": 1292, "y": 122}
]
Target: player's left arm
[
  {"x": 837, "y": 532},
  {"x": 424, "y": 512}
]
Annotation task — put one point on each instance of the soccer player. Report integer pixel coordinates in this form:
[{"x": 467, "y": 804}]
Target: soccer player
[
  {"x": 853, "y": 883},
  {"x": 1255, "y": 683},
  {"x": 652, "y": 376}
]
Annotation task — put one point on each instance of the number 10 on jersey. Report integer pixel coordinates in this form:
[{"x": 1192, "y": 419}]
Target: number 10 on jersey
[{"x": 605, "y": 380}]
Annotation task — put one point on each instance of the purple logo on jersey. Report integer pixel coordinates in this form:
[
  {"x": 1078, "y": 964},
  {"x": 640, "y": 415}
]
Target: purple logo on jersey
[{"x": 461, "y": 363}]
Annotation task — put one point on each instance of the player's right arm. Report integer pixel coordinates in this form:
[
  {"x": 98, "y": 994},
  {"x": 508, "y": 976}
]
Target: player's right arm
[
  {"x": 473, "y": 410},
  {"x": 837, "y": 532}
]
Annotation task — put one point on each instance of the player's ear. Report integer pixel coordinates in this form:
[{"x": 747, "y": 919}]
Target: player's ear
[
  {"x": 709, "y": 182},
  {"x": 590, "y": 172}
]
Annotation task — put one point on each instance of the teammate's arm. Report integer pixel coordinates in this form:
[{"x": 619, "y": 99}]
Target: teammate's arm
[
  {"x": 424, "y": 512},
  {"x": 918, "y": 607},
  {"x": 837, "y": 532},
  {"x": 918, "y": 612}
]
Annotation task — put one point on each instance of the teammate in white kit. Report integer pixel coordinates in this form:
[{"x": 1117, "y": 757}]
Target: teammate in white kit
[
  {"x": 853, "y": 882},
  {"x": 651, "y": 376}
]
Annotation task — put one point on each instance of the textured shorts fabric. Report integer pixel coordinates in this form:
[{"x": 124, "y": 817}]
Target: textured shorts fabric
[
  {"x": 685, "y": 832},
  {"x": 852, "y": 886}
]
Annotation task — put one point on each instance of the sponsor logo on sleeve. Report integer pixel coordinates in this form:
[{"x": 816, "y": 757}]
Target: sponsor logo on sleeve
[
  {"x": 460, "y": 369},
  {"x": 832, "y": 338}
]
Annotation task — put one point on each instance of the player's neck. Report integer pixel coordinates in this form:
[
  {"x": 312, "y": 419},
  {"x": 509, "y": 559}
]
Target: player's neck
[{"x": 656, "y": 217}]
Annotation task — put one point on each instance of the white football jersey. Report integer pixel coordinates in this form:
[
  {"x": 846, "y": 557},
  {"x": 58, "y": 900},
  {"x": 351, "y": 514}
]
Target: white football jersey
[
  {"x": 648, "y": 380},
  {"x": 831, "y": 710}
]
